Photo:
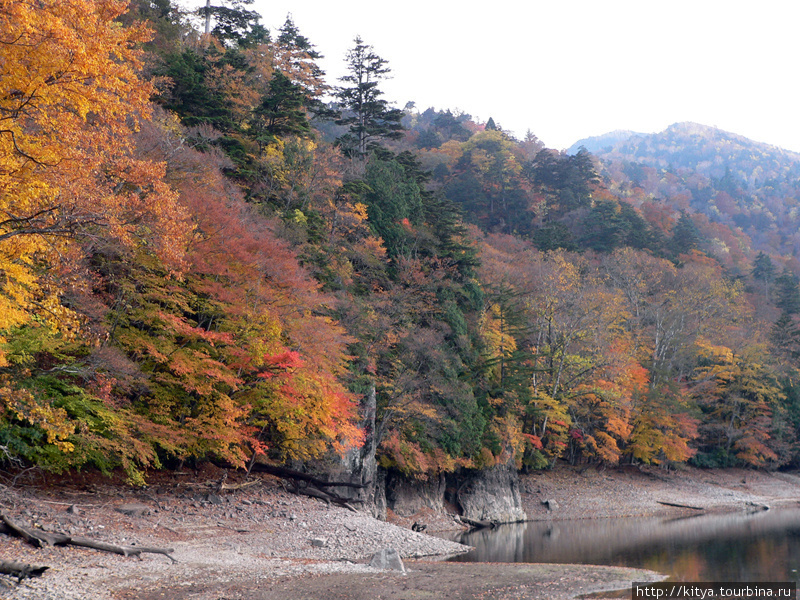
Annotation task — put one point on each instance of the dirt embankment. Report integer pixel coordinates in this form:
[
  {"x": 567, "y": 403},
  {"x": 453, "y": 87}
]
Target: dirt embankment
[{"x": 262, "y": 542}]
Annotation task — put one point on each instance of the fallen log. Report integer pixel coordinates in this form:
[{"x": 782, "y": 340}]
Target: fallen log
[
  {"x": 680, "y": 505},
  {"x": 39, "y": 538},
  {"x": 475, "y": 524},
  {"x": 123, "y": 550},
  {"x": 35, "y": 537},
  {"x": 21, "y": 570}
]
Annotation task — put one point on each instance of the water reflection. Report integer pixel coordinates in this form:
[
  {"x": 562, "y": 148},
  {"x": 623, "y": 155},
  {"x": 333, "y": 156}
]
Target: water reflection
[{"x": 761, "y": 546}]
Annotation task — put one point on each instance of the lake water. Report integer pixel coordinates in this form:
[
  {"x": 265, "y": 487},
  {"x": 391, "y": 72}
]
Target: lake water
[{"x": 757, "y": 546}]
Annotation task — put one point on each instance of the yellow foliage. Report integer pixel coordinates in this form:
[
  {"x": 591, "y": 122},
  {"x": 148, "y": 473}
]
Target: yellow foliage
[
  {"x": 68, "y": 93},
  {"x": 54, "y": 422}
]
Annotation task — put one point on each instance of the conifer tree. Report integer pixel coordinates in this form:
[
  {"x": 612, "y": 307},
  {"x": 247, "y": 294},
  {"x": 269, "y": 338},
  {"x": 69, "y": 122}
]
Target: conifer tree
[
  {"x": 788, "y": 293},
  {"x": 369, "y": 117},
  {"x": 763, "y": 271}
]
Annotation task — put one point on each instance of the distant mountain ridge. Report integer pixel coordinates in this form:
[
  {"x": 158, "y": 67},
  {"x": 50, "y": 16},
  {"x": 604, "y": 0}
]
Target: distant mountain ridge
[
  {"x": 708, "y": 150},
  {"x": 602, "y": 142},
  {"x": 749, "y": 186}
]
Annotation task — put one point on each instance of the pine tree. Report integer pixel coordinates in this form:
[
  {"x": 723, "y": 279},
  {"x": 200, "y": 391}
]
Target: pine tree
[
  {"x": 369, "y": 116},
  {"x": 685, "y": 235},
  {"x": 788, "y": 293},
  {"x": 763, "y": 271},
  {"x": 234, "y": 26},
  {"x": 281, "y": 112}
]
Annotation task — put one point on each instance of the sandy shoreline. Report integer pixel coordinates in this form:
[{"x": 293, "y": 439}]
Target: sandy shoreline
[{"x": 263, "y": 542}]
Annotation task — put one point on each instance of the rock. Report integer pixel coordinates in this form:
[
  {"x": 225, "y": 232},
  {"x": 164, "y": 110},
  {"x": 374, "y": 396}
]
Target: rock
[
  {"x": 492, "y": 495},
  {"x": 133, "y": 510},
  {"x": 213, "y": 499},
  {"x": 407, "y": 497},
  {"x": 319, "y": 542},
  {"x": 387, "y": 559},
  {"x": 73, "y": 510},
  {"x": 550, "y": 504}
]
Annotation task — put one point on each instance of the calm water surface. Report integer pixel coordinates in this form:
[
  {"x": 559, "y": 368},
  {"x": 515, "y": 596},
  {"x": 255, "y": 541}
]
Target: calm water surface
[{"x": 759, "y": 546}]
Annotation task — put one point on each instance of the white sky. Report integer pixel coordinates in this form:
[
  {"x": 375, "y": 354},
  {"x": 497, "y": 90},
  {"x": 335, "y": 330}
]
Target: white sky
[{"x": 569, "y": 69}]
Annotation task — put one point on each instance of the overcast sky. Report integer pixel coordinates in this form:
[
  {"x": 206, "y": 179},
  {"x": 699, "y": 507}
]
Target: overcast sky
[{"x": 569, "y": 69}]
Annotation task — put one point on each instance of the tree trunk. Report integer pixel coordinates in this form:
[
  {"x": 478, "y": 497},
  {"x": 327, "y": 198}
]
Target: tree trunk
[{"x": 21, "y": 570}]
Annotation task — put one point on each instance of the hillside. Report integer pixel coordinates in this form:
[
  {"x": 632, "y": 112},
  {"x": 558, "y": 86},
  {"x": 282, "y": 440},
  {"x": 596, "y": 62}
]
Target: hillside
[
  {"x": 201, "y": 260},
  {"x": 744, "y": 184}
]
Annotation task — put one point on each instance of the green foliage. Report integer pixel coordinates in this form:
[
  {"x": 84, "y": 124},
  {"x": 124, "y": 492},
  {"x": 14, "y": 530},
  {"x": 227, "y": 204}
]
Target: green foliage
[
  {"x": 235, "y": 25},
  {"x": 280, "y": 113},
  {"x": 546, "y": 330},
  {"x": 368, "y": 116},
  {"x": 395, "y": 205},
  {"x": 787, "y": 293},
  {"x": 189, "y": 96}
]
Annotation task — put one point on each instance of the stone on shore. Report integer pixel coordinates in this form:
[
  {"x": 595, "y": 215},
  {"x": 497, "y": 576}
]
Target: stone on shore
[{"x": 387, "y": 559}]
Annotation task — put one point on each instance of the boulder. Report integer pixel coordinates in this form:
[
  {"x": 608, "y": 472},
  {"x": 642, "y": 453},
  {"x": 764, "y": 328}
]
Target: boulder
[
  {"x": 550, "y": 504},
  {"x": 387, "y": 559},
  {"x": 133, "y": 510}
]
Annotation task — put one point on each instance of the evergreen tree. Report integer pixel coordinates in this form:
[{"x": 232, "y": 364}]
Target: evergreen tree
[
  {"x": 685, "y": 235},
  {"x": 189, "y": 95},
  {"x": 568, "y": 179},
  {"x": 788, "y": 293},
  {"x": 785, "y": 336},
  {"x": 369, "y": 116},
  {"x": 763, "y": 271},
  {"x": 280, "y": 113},
  {"x": 234, "y": 26}
]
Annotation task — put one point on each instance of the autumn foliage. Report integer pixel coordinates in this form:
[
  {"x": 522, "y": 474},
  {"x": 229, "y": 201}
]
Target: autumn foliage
[{"x": 192, "y": 268}]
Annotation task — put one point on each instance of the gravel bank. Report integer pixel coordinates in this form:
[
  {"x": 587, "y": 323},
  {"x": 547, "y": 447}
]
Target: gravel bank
[
  {"x": 254, "y": 542},
  {"x": 254, "y": 534}
]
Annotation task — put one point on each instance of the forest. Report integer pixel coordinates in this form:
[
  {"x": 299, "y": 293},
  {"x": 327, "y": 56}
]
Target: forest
[{"x": 208, "y": 251}]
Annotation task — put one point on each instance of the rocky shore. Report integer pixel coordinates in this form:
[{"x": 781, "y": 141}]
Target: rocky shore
[{"x": 262, "y": 542}]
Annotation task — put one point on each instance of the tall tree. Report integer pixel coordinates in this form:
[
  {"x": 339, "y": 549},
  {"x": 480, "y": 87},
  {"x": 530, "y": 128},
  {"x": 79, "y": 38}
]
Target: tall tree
[
  {"x": 280, "y": 113},
  {"x": 369, "y": 117},
  {"x": 788, "y": 293},
  {"x": 763, "y": 271},
  {"x": 234, "y": 25},
  {"x": 685, "y": 235}
]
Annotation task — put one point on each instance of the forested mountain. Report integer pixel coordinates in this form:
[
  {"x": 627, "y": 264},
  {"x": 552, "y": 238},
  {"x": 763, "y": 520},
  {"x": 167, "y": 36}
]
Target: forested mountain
[
  {"x": 746, "y": 185},
  {"x": 208, "y": 251}
]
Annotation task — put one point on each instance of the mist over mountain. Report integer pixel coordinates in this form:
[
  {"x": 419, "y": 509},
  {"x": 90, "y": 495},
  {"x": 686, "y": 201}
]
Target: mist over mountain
[{"x": 607, "y": 141}]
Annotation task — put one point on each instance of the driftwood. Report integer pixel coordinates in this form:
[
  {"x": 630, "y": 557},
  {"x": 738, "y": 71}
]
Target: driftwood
[
  {"x": 21, "y": 570},
  {"x": 478, "y": 524},
  {"x": 221, "y": 486},
  {"x": 232, "y": 487},
  {"x": 680, "y": 505},
  {"x": 40, "y": 538}
]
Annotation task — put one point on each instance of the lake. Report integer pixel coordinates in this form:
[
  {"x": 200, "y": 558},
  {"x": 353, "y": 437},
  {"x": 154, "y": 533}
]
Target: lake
[{"x": 754, "y": 546}]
